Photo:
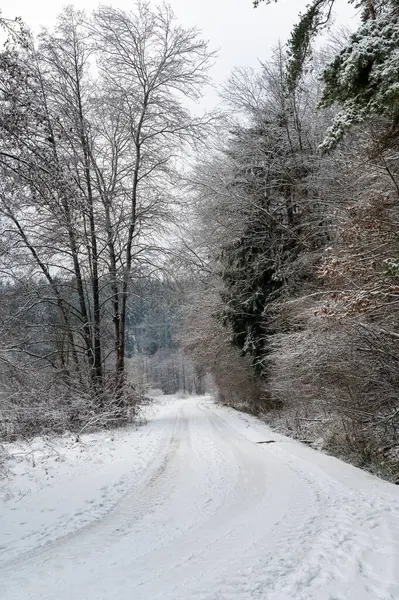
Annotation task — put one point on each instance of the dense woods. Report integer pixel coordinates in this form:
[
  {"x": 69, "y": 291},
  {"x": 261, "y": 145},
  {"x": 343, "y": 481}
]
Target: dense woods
[
  {"x": 283, "y": 293},
  {"x": 296, "y": 213}
]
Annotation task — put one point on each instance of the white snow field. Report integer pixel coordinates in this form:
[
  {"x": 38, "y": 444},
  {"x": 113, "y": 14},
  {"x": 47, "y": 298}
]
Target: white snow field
[{"x": 191, "y": 507}]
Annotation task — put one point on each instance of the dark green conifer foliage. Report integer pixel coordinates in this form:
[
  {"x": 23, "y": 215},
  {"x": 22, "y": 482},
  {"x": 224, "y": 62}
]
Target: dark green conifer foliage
[
  {"x": 363, "y": 79},
  {"x": 250, "y": 283}
]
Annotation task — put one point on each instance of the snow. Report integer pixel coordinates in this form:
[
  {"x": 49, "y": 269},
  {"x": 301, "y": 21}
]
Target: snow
[{"x": 192, "y": 507}]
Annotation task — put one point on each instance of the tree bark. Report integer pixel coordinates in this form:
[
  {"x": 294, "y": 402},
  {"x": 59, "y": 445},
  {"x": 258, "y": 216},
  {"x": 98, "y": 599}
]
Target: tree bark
[{"x": 97, "y": 358}]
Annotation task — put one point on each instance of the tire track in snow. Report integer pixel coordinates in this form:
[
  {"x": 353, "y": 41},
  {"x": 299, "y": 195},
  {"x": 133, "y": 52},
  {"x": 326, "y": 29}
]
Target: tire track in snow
[
  {"x": 355, "y": 545},
  {"x": 219, "y": 517},
  {"x": 114, "y": 519}
]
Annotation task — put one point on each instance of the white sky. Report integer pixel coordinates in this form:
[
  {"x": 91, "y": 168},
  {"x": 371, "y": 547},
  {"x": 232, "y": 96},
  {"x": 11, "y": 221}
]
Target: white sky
[{"x": 240, "y": 33}]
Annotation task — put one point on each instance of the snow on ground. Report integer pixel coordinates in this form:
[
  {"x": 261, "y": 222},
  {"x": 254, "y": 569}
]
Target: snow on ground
[
  {"x": 192, "y": 507},
  {"x": 57, "y": 485}
]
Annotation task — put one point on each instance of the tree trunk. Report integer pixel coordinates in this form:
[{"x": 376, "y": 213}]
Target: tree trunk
[
  {"x": 95, "y": 288},
  {"x": 371, "y": 8}
]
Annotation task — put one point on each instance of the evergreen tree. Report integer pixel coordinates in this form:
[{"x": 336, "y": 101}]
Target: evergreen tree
[
  {"x": 363, "y": 79},
  {"x": 260, "y": 185}
]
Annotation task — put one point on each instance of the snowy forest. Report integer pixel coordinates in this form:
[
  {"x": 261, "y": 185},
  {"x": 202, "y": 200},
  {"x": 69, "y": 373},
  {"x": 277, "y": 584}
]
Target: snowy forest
[{"x": 251, "y": 252}]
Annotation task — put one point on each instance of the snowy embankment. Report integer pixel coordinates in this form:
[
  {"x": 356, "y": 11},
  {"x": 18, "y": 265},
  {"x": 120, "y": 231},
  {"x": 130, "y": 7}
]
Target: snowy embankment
[
  {"x": 57, "y": 485},
  {"x": 202, "y": 503}
]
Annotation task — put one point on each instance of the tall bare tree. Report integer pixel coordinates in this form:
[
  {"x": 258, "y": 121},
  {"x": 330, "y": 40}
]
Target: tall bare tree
[
  {"x": 152, "y": 66},
  {"x": 94, "y": 121}
]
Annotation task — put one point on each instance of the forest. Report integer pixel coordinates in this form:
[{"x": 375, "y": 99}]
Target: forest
[{"x": 250, "y": 251}]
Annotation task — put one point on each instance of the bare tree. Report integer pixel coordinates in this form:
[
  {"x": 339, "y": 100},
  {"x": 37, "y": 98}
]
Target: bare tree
[
  {"x": 151, "y": 65},
  {"x": 94, "y": 122}
]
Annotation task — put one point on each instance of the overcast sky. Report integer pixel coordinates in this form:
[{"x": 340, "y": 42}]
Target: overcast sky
[{"x": 240, "y": 33}]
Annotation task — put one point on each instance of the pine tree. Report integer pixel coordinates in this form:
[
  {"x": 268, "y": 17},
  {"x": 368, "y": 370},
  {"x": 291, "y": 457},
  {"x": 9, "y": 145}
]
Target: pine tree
[{"x": 363, "y": 80}]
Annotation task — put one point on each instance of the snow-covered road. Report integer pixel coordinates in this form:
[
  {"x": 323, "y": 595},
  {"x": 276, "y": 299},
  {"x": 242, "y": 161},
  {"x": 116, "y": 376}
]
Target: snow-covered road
[{"x": 204, "y": 512}]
